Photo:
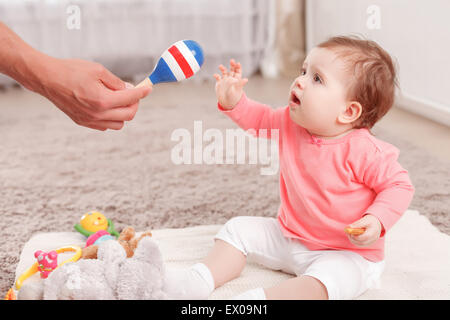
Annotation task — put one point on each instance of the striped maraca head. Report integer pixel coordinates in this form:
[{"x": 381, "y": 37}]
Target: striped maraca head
[{"x": 179, "y": 62}]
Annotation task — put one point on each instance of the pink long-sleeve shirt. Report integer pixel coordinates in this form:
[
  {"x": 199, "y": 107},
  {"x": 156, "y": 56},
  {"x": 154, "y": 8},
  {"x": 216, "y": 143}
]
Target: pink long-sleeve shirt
[{"x": 327, "y": 184}]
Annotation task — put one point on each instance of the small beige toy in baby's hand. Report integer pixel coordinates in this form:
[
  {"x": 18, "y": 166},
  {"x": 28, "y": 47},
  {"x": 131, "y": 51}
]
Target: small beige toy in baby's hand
[
  {"x": 354, "y": 231},
  {"x": 365, "y": 231}
]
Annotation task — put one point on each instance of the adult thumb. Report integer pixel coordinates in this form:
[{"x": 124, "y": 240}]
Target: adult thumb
[{"x": 111, "y": 81}]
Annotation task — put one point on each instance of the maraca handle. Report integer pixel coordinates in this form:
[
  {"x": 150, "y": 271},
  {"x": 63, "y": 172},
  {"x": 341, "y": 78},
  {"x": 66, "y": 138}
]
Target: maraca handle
[{"x": 145, "y": 82}]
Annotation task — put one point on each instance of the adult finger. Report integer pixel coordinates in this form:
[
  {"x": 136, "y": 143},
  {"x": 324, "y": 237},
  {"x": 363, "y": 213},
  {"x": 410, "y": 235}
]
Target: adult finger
[
  {"x": 125, "y": 97},
  {"x": 111, "y": 81},
  {"x": 92, "y": 126},
  {"x": 120, "y": 113},
  {"x": 129, "y": 85},
  {"x": 106, "y": 124}
]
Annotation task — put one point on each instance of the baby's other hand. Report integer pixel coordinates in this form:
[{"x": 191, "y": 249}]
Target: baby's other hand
[
  {"x": 373, "y": 229},
  {"x": 229, "y": 86}
]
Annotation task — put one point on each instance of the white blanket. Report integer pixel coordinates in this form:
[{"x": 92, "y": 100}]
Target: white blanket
[{"x": 417, "y": 259}]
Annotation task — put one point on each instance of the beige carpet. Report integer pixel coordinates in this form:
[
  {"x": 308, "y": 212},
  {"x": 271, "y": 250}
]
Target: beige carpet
[{"x": 52, "y": 171}]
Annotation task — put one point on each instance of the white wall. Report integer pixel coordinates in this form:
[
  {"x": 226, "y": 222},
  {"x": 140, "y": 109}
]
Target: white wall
[
  {"x": 129, "y": 36},
  {"x": 415, "y": 32}
]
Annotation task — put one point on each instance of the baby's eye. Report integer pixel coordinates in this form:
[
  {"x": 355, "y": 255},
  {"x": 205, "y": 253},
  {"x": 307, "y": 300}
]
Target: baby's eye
[
  {"x": 317, "y": 78},
  {"x": 303, "y": 72}
]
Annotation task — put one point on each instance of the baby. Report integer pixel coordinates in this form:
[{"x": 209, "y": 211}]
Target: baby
[{"x": 333, "y": 174}]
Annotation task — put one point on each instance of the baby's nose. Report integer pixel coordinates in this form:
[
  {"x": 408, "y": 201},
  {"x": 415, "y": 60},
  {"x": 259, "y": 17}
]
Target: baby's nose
[{"x": 299, "y": 84}]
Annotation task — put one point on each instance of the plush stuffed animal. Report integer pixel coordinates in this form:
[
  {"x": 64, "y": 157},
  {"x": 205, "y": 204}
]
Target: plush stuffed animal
[
  {"x": 111, "y": 276},
  {"x": 126, "y": 239}
]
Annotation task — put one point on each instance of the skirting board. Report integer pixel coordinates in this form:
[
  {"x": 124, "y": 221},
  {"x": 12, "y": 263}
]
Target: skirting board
[{"x": 426, "y": 108}]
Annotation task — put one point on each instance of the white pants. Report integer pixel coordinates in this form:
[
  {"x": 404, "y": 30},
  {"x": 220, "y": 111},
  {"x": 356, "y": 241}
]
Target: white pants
[{"x": 345, "y": 274}]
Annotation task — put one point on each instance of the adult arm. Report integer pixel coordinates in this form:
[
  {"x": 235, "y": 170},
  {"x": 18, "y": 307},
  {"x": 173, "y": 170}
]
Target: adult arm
[{"x": 85, "y": 91}]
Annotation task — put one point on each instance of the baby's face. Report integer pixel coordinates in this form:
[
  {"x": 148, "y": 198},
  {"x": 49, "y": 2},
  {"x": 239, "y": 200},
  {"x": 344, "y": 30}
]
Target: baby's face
[{"x": 319, "y": 94}]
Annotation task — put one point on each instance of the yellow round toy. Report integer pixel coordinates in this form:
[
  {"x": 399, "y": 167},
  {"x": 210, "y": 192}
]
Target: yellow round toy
[{"x": 94, "y": 221}]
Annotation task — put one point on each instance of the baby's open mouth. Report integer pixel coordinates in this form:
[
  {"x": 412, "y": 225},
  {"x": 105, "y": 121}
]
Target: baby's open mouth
[{"x": 294, "y": 99}]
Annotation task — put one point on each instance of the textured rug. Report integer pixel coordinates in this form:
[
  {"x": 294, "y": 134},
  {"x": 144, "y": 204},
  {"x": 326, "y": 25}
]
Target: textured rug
[
  {"x": 52, "y": 172},
  {"x": 416, "y": 266}
]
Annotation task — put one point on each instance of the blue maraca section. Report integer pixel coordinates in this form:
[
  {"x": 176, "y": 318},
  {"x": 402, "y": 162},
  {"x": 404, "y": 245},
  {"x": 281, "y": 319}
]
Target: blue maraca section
[
  {"x": 162, "y": 73},
  {"x": 180, "y": 61},
  {"x": 196, "y": 51}
]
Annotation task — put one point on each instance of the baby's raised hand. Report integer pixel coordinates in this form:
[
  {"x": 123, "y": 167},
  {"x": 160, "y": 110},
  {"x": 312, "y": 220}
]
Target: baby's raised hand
[
  {"x": 230, "y": 86},
  {"x": 372, "y": 230}
]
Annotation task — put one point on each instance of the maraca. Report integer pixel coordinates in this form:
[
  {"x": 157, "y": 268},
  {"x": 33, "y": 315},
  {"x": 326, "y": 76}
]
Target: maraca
[{"x": 179, "y": 62}]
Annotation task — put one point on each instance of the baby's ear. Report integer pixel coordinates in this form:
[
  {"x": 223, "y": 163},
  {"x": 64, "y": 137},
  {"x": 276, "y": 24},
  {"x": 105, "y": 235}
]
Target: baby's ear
[{"x": 351, "y": 113}]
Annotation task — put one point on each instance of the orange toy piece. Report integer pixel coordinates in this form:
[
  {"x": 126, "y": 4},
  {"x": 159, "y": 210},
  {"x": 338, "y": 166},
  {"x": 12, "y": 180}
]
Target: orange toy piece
[
  {"x": 354, "y": 231},
  {"x": 10, "y": 295}
]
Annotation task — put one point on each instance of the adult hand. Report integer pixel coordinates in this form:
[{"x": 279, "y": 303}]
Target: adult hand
[{"x": 87, "y": 92}]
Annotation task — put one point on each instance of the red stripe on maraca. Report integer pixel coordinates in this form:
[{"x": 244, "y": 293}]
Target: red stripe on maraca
[{"x": 184, "y": 65}]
